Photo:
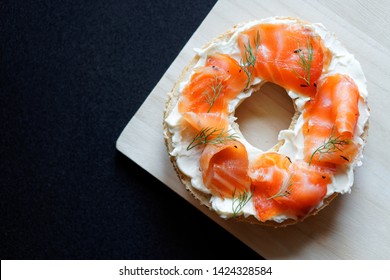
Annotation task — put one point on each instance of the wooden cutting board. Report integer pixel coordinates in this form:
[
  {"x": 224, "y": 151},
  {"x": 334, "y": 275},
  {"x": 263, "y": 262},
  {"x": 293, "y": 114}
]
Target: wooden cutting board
[{"x": 356, "y": 225}]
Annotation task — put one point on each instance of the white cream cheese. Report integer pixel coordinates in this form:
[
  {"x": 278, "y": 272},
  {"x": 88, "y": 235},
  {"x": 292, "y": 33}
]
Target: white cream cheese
[{"x": 342, "y": 62}]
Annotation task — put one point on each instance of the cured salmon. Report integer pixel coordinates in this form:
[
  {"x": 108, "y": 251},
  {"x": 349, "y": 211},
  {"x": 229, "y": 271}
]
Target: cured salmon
[
  {"x": 289, "y": 55},
  {"x": 224, "y": 169},
  {"x": 268, "y": 174},
  {"x": 209, "y": 91},
  {"x": 285, "y": 188},
  {"x": 306, "y": 188},
  {"x": 214, "y": 120},
  {"x": 330, "y": 121}
]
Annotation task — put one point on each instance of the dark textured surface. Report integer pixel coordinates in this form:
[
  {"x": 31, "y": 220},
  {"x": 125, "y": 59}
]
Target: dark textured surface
[{"x": 72, "y": 74}]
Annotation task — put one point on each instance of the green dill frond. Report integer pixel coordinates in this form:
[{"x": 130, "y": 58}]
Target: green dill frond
[
  {"x": 240, "y": 201},
  {"x": 210, "y": 135},
  {"x": 331, "y": 145},
  {"x": 285, "y": 188},
  {"x": 211, "y": 97},
  {"x": 305, "y": 62},
  {"x": 248, "y": 62}
]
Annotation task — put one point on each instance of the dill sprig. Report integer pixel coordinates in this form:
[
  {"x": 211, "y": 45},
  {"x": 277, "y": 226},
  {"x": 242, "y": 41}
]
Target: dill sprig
[
  {"x": 248, "y": 63},
  {"x": 331, "y": 145},
  {"x": 210, "y": 135},
  {"x": 305, "y": 61},
  {"x": 240, "y": 201},
  {"x": 285, "y": 188},
  {"x": 211, "y": 97}
]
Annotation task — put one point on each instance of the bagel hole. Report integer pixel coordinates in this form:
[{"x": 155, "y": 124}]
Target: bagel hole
[{"x": 266, "y": 112}]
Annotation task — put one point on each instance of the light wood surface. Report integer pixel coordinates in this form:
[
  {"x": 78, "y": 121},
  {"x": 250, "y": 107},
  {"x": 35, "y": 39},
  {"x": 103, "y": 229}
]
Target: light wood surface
[{"x": 354, "y": 226}]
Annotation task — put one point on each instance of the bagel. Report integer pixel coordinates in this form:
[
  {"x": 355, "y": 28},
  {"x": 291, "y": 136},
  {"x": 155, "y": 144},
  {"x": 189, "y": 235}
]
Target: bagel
[{"x": 313, "y": 160}]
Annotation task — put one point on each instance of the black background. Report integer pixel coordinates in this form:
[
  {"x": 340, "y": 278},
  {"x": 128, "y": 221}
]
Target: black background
[{"x": 72, "y": 74}]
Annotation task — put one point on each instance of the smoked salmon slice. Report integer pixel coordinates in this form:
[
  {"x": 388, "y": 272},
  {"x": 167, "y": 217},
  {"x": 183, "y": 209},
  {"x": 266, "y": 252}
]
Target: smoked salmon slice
[
  {"x": 285, "y": 188},
  {"x": 212, "y": 87},
  {"x": 289, "y": 55},
  {"x": 268, "y": 173},
  {"x": 204, "y": 93},
  {"x": 204, "y": 101},
  {"x": 214, "y": 120},
  {"x": 330, "y": 121},
  {"x": 306, "y": 188},
  {"x": 224, "y": 169},
  {"x": 234, "y": 79}
]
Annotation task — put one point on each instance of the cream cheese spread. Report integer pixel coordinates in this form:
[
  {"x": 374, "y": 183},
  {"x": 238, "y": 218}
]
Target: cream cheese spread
[{"x": 342, "y": 62}]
